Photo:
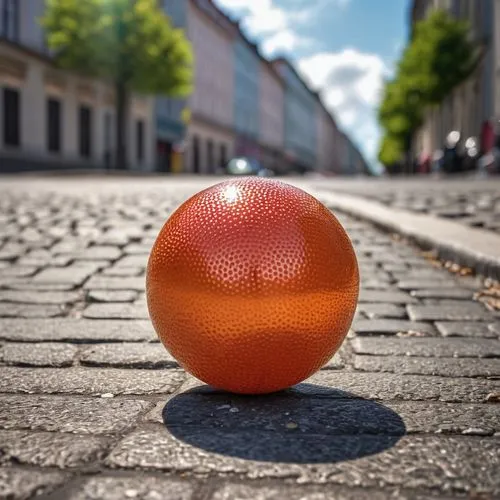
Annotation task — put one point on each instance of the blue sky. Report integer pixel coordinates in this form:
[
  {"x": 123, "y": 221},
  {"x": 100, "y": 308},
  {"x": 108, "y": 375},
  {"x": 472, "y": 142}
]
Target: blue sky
[{"x": 344, "y": 48}]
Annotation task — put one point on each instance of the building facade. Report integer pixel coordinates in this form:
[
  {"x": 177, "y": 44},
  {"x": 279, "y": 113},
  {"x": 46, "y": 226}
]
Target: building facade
[
  {"x": 271, "y": 116},
  {"x": 242, "y": 105},
  {"x": 210, "y": 136},
  {"x": 328, "y": 142},
  {"x": 300, "y": 119},
  {"x": 169, "y": 120},
  {"x": 474, "y": 106},
  {"x": 52, "y": 118},
  {"x": 247, "y": 68}
]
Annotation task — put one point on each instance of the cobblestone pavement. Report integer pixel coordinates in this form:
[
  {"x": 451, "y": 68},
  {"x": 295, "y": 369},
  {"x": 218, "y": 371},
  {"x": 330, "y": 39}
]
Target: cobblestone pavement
[
  {"x": 93, "y": 407},
  {"x": 473, "y": 202}
]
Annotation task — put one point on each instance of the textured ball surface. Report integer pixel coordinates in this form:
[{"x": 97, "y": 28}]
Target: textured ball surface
[{"x": 252, "y": 285}]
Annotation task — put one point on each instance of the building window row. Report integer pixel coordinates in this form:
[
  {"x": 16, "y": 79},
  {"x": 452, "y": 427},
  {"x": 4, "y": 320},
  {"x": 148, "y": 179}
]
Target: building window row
[
  {"x": 9, "y": 19},
  {"x": 211, "y": 161},
  {"x": 11, "y": 125}
]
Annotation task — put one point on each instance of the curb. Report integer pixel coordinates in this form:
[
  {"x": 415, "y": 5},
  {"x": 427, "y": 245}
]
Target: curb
[{"x": 469, "y": 247}]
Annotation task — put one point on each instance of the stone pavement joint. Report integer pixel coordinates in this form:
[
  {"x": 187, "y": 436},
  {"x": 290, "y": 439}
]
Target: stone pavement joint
[{"x": 93, "y": 407}]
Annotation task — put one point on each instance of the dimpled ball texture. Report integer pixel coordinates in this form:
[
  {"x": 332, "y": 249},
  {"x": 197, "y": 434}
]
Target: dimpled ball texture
[{"x": 252, "y": 285}]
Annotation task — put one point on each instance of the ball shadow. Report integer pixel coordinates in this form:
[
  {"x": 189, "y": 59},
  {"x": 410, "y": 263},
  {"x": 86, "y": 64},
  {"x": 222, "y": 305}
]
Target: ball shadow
[{"x": 305, "y": 424}]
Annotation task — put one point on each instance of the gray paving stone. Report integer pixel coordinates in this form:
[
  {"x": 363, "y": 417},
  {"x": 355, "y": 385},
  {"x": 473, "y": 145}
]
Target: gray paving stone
[
  {"x": 468, "y": 311},
  {"x": 424, "y": 271},
  {"x": 139, "y": 487},
  {"x": 49, "y": 449},
  {"x": 22, "y": 484},
  {"x": 446, "y": 418},
  {"x": 96, "y": 253},
  {"x": 380, "y": 310},
  {"x": 32, "y": 297},
  {"x": 426, "y": 283},
  {"x": 72, "y": 275},
  {"x": 464, "y": 464},
  {"x": 21, "y": 271},
  {"x": 115, "y": 283},
  {"x": 137, "y": 248},
  {"x": 428, "y": 347},
  {"x": 44, "y": 354},
  {"x": 69, "y": 245},
  {"x": 116, "y": 311},
  {"x": 274, "y": 492},
  {"x": 140, "y": 261},
  {"x": 444, "y": 367},
  {"x": 111, "y": 296},
  {"x": 387, "y": 386},
  {"x": 467, "y": 329},
  {"x": 29, "y": 285},
  {"x": 92, "y": 265},
  {"x": 69, "y": 414},
  {"x": 374, "y": 285},
  {"x": 388, "y": 296},
  {"x": 125, "y": 272},
  {"x": 89, "y": 381},
  {"x": 8, "y": 310},
  {"x": 52, "y": 260},
  {"x": 443, "y": 293},
  {"x": 128, "y": 356},
  {"x": 391, "y": 327},
  {"x": 76, "y": 330}
]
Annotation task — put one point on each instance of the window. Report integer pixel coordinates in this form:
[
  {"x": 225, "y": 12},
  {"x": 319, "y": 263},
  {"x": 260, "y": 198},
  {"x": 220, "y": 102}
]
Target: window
[
  {"x": 11, "y": 117},
  {"x": 85, "y": 118},
  {"x": 223, "y": 155},
  {"x": 9, "y": 21},
  {"x": 196, "y": 154},
  {"x": 140, "y": 140},
  {"x": 210, "y": 156},
  {"x": 53, "y": 125},
  {"x": 107, "y": 131}
]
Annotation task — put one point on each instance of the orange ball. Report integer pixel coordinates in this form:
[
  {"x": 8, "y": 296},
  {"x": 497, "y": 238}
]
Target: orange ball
[{"x": 252, "y": 285}]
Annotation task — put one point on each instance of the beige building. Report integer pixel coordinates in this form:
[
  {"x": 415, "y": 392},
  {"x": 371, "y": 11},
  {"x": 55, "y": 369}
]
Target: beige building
[
  {"x": 210, "y": 136},
  {"x": 53, "y": 118},
  {"x": 271, "y": 118},
  {"x": 477, "y": 101}
]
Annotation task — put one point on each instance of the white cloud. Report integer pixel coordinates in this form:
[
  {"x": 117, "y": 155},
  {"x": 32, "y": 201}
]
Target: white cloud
[
  {"x": 274, "y": 25},
  {"x": 283, "y": 42},
  {"x": 351, "y": 83}
]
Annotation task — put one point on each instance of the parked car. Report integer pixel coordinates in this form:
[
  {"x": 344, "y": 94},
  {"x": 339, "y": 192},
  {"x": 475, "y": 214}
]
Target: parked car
[{"x": 247, "y": 166}]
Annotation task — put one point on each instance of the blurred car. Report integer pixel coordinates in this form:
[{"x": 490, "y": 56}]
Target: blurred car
[{"x": 247, "y": 166}]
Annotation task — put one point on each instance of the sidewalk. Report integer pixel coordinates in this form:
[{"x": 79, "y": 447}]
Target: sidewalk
[{"x": 93, "y": 407}]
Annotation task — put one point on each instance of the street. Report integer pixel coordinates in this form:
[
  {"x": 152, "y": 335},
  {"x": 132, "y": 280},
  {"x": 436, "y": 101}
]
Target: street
[{"x": 93, "y": 407}]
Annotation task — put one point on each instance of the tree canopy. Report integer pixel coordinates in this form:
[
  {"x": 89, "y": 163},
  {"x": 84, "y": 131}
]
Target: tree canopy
[
  {"x": 121, "y": 40},
  {"x": 439, "y": 57},
  {"x": 130, "y": 43}
]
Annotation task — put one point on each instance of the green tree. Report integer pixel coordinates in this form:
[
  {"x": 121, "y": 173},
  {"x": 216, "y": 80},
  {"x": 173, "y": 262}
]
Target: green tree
[
  {"x": 130, "y": 43},
  {"x": 439, "y": 57},
  {"x": 391, "y": 151}
]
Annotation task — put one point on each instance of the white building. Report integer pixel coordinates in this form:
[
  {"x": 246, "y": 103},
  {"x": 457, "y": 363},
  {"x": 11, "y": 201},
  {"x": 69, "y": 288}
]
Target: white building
[
  {"x": 210, "y": 134},
  {"x": 53, "y": 118}
]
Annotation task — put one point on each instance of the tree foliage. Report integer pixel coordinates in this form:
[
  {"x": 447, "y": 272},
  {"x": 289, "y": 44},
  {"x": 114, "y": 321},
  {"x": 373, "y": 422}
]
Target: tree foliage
[
  {"x": 439, "y": 57},
  {"x": 130, "y": 43}
]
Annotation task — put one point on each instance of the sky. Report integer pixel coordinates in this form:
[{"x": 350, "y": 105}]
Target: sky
[{"x": 343, "y": 48}]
